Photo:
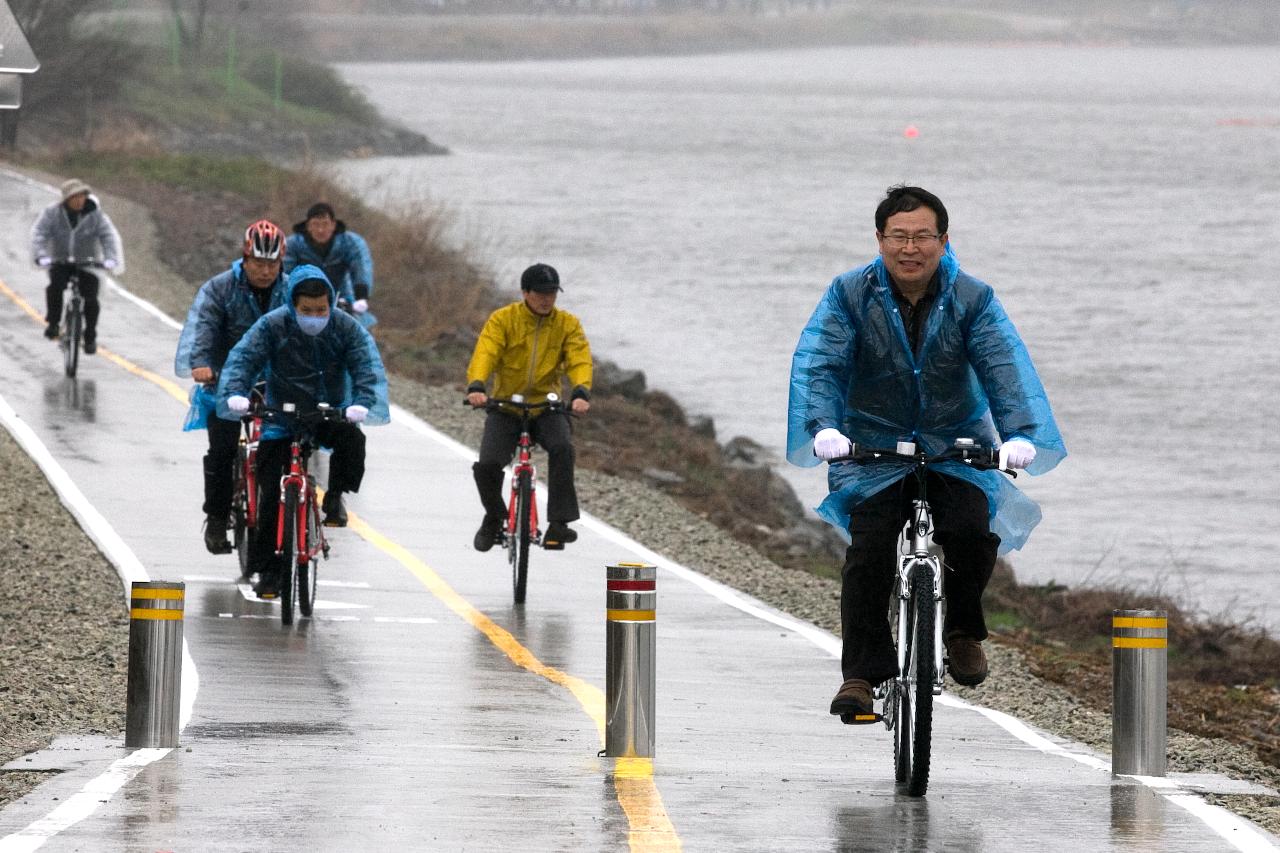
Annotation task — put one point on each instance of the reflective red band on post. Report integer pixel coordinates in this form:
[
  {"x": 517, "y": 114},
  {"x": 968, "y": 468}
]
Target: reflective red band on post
[{"x": 633, "y": 586}]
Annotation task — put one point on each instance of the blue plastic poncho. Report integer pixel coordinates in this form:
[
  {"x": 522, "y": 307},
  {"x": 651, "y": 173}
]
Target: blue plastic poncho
[
  {"x": 348, "y": 263},
  {"x": 340, "y": 366},
  {"x": 224, "y": 309},
  {"x": 854, "y": 370}
]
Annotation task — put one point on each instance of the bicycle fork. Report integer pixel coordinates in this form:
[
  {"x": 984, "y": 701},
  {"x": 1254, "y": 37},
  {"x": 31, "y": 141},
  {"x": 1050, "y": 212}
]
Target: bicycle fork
[{"x": 920, "y": 554}]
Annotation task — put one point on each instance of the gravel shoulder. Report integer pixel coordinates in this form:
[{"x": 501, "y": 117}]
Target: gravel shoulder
[{"x": 64, "y": 616}]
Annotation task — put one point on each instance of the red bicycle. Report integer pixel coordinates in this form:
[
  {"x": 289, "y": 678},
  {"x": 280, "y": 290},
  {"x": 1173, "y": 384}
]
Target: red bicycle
[
  {"x": 244, "y": 499},
  {"x": 299, "y": 534},
  {"x": 520, "y": 533}
]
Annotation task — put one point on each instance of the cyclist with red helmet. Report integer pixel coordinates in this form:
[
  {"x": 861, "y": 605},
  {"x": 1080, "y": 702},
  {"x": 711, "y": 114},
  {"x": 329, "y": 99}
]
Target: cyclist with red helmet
[{"x": 224, "y": 309}]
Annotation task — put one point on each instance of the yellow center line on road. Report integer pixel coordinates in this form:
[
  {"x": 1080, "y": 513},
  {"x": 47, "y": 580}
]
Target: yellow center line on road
[{"x": 650, "y": 827}]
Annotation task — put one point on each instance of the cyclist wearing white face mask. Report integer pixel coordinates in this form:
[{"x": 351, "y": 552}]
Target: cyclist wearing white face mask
[{"x": 311, "y": 354}]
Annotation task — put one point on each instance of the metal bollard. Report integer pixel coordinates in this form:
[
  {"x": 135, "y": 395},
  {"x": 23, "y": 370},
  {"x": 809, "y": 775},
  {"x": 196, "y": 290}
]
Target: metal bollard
[
  {"x": 155, "y": 664},
  {"x": 630, "y": 649},
  {"x": 1139, "y": 659}
]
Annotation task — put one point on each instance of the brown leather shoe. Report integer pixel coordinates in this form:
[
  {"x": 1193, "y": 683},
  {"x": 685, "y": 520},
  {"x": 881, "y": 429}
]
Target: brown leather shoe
[
  {"x": 854, "y": 697},
  {"x": 967, "y": 660}
]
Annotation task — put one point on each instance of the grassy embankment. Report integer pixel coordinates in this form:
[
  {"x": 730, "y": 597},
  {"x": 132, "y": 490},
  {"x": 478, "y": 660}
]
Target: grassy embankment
[{"x": 431, "y": 298}]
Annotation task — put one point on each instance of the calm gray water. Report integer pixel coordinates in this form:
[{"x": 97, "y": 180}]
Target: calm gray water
[{"x": 1123, "y": 202}]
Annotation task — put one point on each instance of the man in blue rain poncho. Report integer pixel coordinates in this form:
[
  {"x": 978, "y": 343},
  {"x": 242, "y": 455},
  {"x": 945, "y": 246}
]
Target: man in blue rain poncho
[
  {"x": 224, "y": 309},
  {"x": 311, "y": 354},
  {"x": 910, "y": 348},
  {"x": 323, "y": 240}
]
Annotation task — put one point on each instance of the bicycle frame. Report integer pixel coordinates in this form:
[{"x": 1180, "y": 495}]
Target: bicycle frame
[
  {"x": 251, "y": 432},
  {"x": 523, "y": 463},
  {"x": 298, "y": 475}
]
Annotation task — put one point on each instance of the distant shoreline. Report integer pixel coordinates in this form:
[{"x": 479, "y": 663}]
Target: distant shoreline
[{"x": 505, "y": 37}]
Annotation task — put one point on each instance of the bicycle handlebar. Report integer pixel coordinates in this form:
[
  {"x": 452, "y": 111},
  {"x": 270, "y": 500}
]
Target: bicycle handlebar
[
  {"x": 974, "y": 455},
  {"x": 556, "y": 405},
  {"x": 288, "y": 412}
]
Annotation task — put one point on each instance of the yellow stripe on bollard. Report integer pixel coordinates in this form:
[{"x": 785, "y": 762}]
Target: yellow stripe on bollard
[
  {"x": 1139, "y": 622},
  {"x": 1139, "y": 642},
  {"x": 153, "y": 613},
  {"x": 631, "y": 615},
  {"x": 171, "y": 594}
]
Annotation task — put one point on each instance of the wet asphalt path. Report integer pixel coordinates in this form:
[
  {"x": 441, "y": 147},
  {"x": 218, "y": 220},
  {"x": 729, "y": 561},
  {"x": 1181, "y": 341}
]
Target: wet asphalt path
[{"x": 421, "y": 710}]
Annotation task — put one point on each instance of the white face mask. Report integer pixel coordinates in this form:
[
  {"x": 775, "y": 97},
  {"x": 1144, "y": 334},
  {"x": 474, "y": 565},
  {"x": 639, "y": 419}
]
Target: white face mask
[{"x": 312, "y": 325}]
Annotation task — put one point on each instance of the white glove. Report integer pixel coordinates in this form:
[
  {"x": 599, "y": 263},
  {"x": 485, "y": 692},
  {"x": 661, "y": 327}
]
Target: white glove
[
  {"x": 357, "y": 414},
  {"x": 1017, "y": 453},
  {"x": 238, "y": 404},
  {"x": 360, "y": 306},
  {"x": 830, "y": 443},
  {"x": 44, "y": 261},
  {"x": 109, "y": 264}
]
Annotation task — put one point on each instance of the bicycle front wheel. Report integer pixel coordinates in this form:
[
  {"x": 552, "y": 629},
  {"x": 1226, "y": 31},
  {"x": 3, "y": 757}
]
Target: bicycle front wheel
[
  {"x": 914, "y": 733},
  {"x": 522, "y": 539},
  {"x": 240, "y": 515},
  {"x": 289, "y": 548},
  {"x": 308, "y": 564},
  {"x": 73, "y": 328}
]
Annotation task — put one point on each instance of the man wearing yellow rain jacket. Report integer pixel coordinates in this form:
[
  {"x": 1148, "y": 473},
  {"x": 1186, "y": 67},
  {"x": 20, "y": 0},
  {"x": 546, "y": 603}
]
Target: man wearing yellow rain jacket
[{"x": 529, "y": 348}]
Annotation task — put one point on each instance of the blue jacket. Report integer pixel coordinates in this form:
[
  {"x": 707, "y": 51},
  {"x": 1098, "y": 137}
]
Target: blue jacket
[
  {"x": 854, "y": 370},
  {"x": 340, "y": 366},
  {"x": 223, "y": 310},
  {"x": 348, "y": 264}
]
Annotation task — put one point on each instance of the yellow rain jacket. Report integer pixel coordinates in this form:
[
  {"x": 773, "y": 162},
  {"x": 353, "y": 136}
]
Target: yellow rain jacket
[{"x": 531, "y": 355}]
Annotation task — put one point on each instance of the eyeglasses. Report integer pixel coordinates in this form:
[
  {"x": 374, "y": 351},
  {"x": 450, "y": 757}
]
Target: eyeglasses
[{"x": 922, "y": 241}]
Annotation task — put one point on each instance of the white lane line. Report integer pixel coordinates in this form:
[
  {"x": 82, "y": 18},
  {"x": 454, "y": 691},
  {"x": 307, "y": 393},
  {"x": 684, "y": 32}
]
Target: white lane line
[
  {"x": 130, "y": 569},
  {"x": 149, "y": 307},
  {"x": 81, "y": 804}
]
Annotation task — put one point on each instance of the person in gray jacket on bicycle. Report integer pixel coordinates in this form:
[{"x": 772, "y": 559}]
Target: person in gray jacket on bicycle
[{"x": 75, "y": 230}]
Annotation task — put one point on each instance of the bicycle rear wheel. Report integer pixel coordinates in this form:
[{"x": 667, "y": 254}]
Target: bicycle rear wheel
[
  {"x": 914, "y": 732},
  {"x": 522, "y": 538},
  {"x": 289, "y": 548},
  {"x": 72, "y": 329},
  {"x": 307, "y": 567}
]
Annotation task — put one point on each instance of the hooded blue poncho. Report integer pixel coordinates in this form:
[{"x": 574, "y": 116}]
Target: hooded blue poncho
[
  {"x": 854, "y": 370},
  {"x": 340, "y": 366}
]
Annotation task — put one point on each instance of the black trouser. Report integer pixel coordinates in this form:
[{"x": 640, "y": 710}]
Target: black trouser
[
  {"x": 961, "y": 528},
  {"x": 58, "y": 276},
  {"x": 346, "y": 470},
  {"x": 220, "y": 465},
  {"x": 501, "y": 435}
]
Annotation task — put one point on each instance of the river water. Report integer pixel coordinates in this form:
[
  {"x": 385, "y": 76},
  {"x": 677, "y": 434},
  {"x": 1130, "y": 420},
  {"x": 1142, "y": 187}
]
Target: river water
[{"x": 1125, "y": 204}]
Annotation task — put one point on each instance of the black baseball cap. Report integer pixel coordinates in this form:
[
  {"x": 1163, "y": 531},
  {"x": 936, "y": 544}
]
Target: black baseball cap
[{"x": 540, "y": 278}]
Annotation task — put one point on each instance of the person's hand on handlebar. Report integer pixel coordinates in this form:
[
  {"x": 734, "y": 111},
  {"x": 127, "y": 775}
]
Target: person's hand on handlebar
[
  {"x": 1017, "y": 453},
  {"x": 579, "y": 406},
  {"x": 238, "y": 404},
  {"x": 44, "y": 262},
  {"x": 356, "y": 414},
  {"x": 477, "y": 399},
  {"x": 830, "y": 443},
  {"x": 360, "y": 306},
  {"x": 203, "y": 375}
]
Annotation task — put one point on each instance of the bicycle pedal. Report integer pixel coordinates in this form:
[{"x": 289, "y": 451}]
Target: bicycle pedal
[
  {"x": 553, "y": 546},
  {"x": 852, "y": 719}
]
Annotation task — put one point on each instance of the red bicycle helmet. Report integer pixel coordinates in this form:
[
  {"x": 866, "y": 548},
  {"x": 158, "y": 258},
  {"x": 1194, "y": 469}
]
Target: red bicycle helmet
[{"x": 263, "y": 239}]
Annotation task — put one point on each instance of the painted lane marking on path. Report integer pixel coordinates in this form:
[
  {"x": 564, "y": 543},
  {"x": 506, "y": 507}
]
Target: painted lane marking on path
[
  {"x": 129, "y": 568},
  {"x": 650, "y": 827}
]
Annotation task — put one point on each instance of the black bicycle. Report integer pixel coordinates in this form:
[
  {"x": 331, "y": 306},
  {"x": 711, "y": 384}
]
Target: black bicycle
[
  {"x": 520, "y": 533},
  {"x": 907, "y": 708},
  {"x": 72, "y": 333}
]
